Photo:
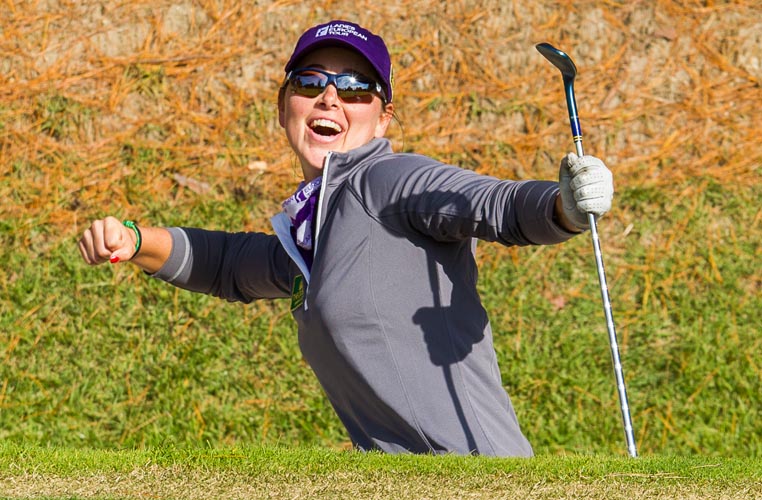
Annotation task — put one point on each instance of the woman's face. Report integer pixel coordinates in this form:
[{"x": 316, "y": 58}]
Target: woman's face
[{"x": 316, "y": 125}]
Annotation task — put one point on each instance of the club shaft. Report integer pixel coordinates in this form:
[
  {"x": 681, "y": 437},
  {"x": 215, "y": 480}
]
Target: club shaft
[
  {"x": 624, "y": 404},
  {"x": 571, "y": 106}
]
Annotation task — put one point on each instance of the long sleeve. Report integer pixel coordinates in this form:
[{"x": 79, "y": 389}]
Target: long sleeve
[
  {"x": 234, "y": 266},
  {"x": 450, "y": 203}
]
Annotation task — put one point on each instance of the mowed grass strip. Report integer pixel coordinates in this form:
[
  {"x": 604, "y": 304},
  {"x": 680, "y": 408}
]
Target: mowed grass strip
[{"x": 276, "y": 472}]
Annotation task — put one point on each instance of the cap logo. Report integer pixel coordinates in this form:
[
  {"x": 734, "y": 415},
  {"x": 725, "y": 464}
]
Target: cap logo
[{"x": 340, "y": 30}]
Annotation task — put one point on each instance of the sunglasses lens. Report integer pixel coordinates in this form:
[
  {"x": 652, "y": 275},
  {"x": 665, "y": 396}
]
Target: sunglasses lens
[
  {"x": 352, "y": 86},
  {"x": 311, "y": 83}
]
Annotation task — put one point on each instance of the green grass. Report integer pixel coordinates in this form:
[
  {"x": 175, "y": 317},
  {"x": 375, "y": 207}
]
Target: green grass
[{"x": 302, "y": 472}]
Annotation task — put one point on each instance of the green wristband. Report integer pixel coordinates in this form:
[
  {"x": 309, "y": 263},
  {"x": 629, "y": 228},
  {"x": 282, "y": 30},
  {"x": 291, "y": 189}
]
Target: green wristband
[{"x": 138, "y": 236}]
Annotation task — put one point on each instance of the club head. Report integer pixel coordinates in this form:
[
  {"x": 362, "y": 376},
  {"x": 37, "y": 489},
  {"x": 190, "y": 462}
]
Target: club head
[{"x": 559, "y": 59}]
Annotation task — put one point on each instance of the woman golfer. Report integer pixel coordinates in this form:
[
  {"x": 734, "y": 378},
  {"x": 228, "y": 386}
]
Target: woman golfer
[{"x": 375, "y": 251}]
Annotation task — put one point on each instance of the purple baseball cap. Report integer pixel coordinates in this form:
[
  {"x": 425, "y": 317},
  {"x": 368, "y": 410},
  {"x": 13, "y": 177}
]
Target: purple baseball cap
[{"x": 350, "y": 35}]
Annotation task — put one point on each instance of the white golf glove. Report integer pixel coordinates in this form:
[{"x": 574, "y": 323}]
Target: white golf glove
[{"x": 587, "y": 186}]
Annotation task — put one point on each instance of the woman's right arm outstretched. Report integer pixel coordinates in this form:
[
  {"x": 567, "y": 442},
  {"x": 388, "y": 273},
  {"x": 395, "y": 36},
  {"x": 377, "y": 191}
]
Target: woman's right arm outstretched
[{"x": 109, "y": 240}]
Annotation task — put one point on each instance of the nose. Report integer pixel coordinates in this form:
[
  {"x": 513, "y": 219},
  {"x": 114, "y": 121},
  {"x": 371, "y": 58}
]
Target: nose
[{"x": 330, "y": 95}]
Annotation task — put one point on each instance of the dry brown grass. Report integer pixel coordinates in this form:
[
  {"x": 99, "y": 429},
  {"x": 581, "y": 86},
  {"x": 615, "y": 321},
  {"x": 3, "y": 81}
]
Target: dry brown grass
[
  {"x": 666, "y": 90},
  {"x": 176, "y": 483}
]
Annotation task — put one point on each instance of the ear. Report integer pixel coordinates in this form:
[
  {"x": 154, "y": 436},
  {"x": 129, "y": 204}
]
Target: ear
[
  {"x": 282, "y": 107},
  {"x": 387, "y": 113}
]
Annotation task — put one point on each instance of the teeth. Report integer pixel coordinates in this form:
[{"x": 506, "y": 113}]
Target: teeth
[{"x": 323, "y": 123}]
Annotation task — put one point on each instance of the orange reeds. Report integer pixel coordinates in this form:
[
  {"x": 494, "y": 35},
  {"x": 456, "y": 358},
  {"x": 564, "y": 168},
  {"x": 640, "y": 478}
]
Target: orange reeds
[{"x": 667, "y": 91}]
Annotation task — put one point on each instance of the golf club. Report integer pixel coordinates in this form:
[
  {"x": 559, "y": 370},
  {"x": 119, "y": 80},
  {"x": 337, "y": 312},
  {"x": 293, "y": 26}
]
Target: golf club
[{"x": 568, "y": 70}]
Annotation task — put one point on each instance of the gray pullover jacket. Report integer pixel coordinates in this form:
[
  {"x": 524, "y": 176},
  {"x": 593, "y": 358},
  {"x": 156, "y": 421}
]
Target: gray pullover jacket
[{"x": 389, "y": 317}]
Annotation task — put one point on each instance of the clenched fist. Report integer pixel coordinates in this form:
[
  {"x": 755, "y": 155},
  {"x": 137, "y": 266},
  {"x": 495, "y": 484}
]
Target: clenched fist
[
  {"x": 587, "y": 186},
  {"x": 108, "y": 240}
]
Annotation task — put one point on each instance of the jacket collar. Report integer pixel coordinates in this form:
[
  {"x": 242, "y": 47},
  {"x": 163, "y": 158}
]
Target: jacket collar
[{"x": 342, "y": 163}]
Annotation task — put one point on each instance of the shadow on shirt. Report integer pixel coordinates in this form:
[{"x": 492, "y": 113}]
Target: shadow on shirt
[{"x": 449, "y": 343}]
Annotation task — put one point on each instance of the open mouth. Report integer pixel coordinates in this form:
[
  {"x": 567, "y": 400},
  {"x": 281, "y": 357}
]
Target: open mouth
[{"x": 325, "y": 127}]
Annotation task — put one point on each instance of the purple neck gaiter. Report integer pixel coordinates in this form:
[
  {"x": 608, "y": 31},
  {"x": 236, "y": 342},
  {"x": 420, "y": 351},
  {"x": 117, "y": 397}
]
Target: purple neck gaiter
[{"x": 300, "y": 208}]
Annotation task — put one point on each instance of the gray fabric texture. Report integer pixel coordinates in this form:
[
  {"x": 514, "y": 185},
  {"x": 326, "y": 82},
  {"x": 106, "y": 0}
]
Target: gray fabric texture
[{"x": 391, "y": 323}]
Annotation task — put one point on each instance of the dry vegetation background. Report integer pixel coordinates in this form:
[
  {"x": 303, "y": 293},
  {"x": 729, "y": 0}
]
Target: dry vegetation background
[
  {"x": 106, "y": 107},
  {"x": 666, "y": 90}
]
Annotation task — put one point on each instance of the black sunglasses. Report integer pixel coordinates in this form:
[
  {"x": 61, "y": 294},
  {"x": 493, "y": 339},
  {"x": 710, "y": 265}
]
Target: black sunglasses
[{"x": 311, "y": 82}]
